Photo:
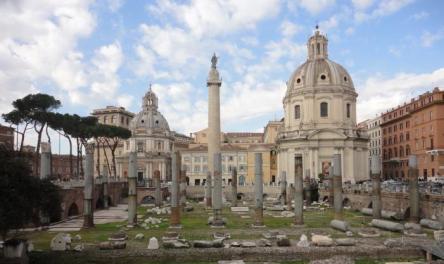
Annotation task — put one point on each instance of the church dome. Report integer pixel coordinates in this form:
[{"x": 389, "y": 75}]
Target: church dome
[
  {"x": 149, "y": 119},
  {"x": 319, "y": 71}
]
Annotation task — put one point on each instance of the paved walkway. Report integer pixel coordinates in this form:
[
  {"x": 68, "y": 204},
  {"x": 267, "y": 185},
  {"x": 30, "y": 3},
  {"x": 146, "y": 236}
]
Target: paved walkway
[{"x": 118, "y": 213}]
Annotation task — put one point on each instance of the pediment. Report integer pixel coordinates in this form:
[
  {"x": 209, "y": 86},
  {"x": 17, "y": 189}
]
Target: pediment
[{"x": 326, "y": 134}]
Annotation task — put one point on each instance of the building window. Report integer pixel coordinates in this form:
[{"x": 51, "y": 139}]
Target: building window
[
  {"x": 113, "y": 119},
  {"x": 121, "y": 119},
  {"x": 324, "y": 109},
  {"x": 139, "y": 146},
  {"x": 196, "y": 168},
  {"x": 348, "y": 110},
  {"x": 196, "y": 159},
  {"x": 297, "y": 111}
]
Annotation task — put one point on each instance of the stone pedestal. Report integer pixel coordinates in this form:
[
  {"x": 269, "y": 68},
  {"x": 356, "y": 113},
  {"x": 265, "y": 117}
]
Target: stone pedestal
[
  {"x": 234, "y": 187},
  {"x": 132, "y": 192},
  {"x": 258, "y": 190},
  {"x": 157, "y": 192},
  {"x": 298, "y": 196},
  {"x": 337, "y": 186},
  {"x": 45, "y": 160},
  {"x": 88, "y": 217},
  {"x": 376, "y": 187},
  {"x": 413, "y": 189},
  {"x": 283, "y": 185},
  {"x": 217, "y": 191}
]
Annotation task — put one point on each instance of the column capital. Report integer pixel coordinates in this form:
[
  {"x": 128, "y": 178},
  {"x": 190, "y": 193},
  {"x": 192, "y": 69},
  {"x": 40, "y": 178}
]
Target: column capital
[{"x": 89, "y": 148}]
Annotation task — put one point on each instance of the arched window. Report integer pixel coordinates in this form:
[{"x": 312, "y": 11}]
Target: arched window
[
  {"x": 297, "y": 111},
  {"x": 348, "y": 110},
  {"x": 324, "y": 109}
]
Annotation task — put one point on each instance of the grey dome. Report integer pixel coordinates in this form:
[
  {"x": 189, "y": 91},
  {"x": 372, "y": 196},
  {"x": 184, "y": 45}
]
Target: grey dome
[{"x": 149, "y": 118}]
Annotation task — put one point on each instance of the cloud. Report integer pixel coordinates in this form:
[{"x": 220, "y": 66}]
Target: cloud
[
  {"x": 420, "y": 15},
  {"x": 289, "y": 29},
  {"x": 374, "y": 97},
  {"x": 362, "y": 4},
  {"x": 38, "y": 44},
  {"x": 316, "y": 7},
  {"x": 428, "y": 39},
  {"x": 115, "y": 5},
  {"x": 212, "y": 18},
  {"x": 384, "y": 8}
]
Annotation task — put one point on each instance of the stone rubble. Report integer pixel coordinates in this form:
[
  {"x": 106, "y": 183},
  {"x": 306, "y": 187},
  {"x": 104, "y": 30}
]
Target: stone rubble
[
  {"x": 303, "y": 241},
  {"x": 322, "y": 241},
  {"x": 61, "y": 242},
  {"x": 153, "y": 244}
]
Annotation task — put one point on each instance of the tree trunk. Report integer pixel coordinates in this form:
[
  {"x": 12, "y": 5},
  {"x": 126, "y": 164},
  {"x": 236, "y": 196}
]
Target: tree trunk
[
  {"x": 50, "y": 153},
  {"x": 37, "y": 149},
  {"x": 107, "y": 161},
  {"x": 98, "y": 157},
  {"x": 78, "y": 159},
  {"x": 71, "y": 166}
]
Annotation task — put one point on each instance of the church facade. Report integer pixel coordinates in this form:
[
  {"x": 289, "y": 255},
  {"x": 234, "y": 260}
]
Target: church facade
[{"x": 320, "y": 119}]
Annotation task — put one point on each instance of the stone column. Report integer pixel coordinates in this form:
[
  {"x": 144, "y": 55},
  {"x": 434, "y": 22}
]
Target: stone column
[
  {"x": 258, "y": 190},
  {"x": 290, "y": 196},
  {"x": 330, "y": 185},
  {"x": 175, "y": 207},
  {"x": 307, "y": 187},
  {"x": 234, "y": 187},
  {"x": 45, "y": 160},
  {"x": 337, "y": 186},
  {"x": 298, "y": 195},
  {"x": 88, "y": 215},
  {"x": 376, "y": 186},
  {"x": 217, "y": 192},
  {"x": 132, "y": 191},
  {"x": 157, "y": 191},
  {"x": 183, "y": 188},
  {"x": 283, "y": 184},
  {"x": 413, "y": 189},
  {"x": 214, "y": 83},
  {"x": 208, "y": 191},
  {"x": 105, "y": 188}
]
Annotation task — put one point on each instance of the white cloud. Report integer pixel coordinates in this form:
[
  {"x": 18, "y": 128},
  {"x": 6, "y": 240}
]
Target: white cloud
[
  {"x": 330, "y": 23},
  {"x": 374, "y": 97},
  {"x": 420, "y": 15},
  {"x": 288, "y": 28},
  {"x": 125, "y": 100},
  {"x": 395, "y": 51},
  {"x": 316, "y": 7},
  {"x": 115, "y": 5},
  {"x": 362, "y": 4},
  {"x": 428, "y": 39},
  {"x": 211, "y": 18},
  {"x": 384, "y": 8}
]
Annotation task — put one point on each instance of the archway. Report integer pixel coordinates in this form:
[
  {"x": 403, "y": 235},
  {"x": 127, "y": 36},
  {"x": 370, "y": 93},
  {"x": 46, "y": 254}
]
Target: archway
[
  {"x": 73, "y": 210},
  {"x": 346, "y": 202},
  {"x": 370, "y": 205},
  {"x": 100, "y": 204},
  {"x": 240, "y": 196},
  {"x": 148, "y": 200}
]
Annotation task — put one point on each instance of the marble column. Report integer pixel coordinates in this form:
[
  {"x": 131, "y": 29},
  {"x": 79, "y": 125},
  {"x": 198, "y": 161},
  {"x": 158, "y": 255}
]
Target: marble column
[
  {"x": 413, "y": 189},
  {"x": 214, "y": 83},
  {"x": 307, "y": 187},
  {"x": 290, "y": 196},
  {"x": 175, "y": 206},
  {"x": 258, "y": 190},
  {"x": 157, "y": 191},
  {"x": 88, "y": 197},
  {"x": 337, "y": 186},
  {"x": 330, "y": 185},
  {"x": 234, "y": 187},
  {"x": 183, "y": 188},
  {"x": 298, "y": 196},
  {"x": 45, "y": 160},
  {"x": 376, "y": 186},
  {"x": 105, "y": 188},
  {"x": 283, "y": 183},
  {"x": 208, "y": 191},
  {"x": 132, "y": 191}
]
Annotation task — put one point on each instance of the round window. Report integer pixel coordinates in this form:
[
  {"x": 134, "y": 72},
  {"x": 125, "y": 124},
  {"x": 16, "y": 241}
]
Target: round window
[
  {"x": 143, "y": 121},
  {"x": 323, "y": 77},
  {"x": 298, "y": 80},
  {"x": 345, "y": 78}
]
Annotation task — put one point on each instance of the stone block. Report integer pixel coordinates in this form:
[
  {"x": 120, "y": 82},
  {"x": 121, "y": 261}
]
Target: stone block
[
  {"x": 345, "y": 242},
  {"x": 283, "y": 241},
  {"x": 248, "y": 244},
  {"x": 387, "y": 225},
  {"x": 238, "y": 209},
  {"x": 263, "y": 242},
  {"x": 439, "y": 236},
  {"x": 340, "y": 225},
  {"x": 322, "y": 241},
  {"x": 153, "y": 244},
  {"x": 432, "y": 224},
  {"x": 139, "y": 236},
  {"x": 61, "y": 242}
]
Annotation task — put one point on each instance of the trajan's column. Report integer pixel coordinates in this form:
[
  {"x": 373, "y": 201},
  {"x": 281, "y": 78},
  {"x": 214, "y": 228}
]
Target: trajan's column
[{"x": 214, "y": 84}]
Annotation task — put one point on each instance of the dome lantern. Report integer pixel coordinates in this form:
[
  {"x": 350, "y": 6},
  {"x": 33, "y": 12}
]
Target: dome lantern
[
  {"x": 317, "y": 46},
  {"x": 150, "y": 100}
]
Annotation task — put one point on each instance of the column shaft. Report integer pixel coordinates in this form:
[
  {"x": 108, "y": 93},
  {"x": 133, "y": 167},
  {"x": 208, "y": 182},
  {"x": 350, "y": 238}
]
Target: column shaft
[
  {"x": 234, "y": 187},
  {"x": 414, "y": 189},
  {"x": 132, "y": 191},
  {"x": 337, "y": 186},
  {"x": 258, "y": 190},
  {"x": 88, "y": 215},
  {"x": 283, "y": 184},
  {"x": 298, "y": 196}
]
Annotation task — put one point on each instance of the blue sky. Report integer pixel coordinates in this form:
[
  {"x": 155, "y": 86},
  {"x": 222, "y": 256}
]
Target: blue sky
[{"x": 91, "y": 54}]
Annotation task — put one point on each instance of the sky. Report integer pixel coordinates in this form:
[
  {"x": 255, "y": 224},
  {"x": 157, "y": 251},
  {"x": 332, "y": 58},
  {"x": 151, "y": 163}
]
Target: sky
[{"x": 91, "y": 54}]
